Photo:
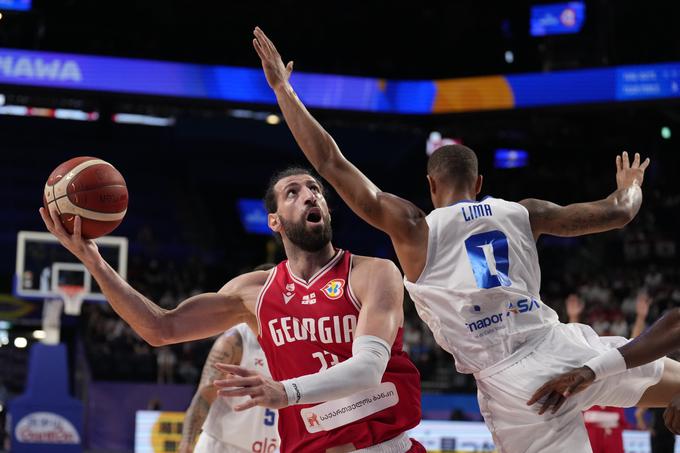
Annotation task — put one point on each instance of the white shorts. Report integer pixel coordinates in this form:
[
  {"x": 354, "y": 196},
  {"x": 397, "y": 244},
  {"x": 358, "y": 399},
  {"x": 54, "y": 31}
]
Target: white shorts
[
  {"x": 209, "y": 444},
  {"x": 504, "y": 389}
]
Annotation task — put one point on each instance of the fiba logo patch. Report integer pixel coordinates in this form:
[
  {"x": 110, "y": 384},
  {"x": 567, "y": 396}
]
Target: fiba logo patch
[{"x": 334, "y": 288}]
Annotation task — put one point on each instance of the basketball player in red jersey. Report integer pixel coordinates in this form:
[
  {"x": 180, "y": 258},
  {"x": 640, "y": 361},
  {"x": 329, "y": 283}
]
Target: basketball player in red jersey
[{"x": 330, "y": 324}]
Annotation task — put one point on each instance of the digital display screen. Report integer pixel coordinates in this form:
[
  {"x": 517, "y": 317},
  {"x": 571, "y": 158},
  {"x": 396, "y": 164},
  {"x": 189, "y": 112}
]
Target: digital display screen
[
  {"x": 511, "y": 158},
  {"x": 234, "y": 84},
  {"x": 254, "y": 216},
  {"x": 557, "y": 18},
  {"x": 16, "y": 5}
]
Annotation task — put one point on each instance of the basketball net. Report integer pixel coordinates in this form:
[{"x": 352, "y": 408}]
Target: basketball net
[{"x": 73, "y": 298}]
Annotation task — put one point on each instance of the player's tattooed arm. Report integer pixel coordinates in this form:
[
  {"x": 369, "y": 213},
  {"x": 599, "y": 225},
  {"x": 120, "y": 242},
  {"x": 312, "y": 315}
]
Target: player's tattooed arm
[
  {"x": 228, "y": 348},
  {"x": 610, "y": 213},
  {"x": 399, "y": 218},
  {"x": 663, "y": 337}
]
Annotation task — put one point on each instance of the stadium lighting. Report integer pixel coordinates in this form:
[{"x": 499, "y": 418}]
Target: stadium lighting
[
  {"x": 20, "y": 342},
  {"x": 39, "y": 334},
  {"x": 273, "y": 119},
  {"x": 0, "y": 16},
  {"x": 509, "y": 56},
  {"x": 666, "y": 132},
  {"x": 2, "y": 99}
]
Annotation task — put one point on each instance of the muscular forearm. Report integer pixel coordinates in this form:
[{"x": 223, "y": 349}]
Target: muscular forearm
[
  {"x": 627, "y": 202},
  {"x": 662, "y": 337},
  {"x": 317, "y": 145},
  {"x": 143, "y": 315}
]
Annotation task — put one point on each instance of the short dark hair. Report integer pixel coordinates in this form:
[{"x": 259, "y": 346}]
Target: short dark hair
[
  {"x": 270, "y": 195},
  {"x": 454, "y": 164}
]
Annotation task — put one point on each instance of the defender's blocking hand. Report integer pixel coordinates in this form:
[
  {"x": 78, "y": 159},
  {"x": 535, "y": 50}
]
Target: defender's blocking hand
[{"x": 276, "y": 72}]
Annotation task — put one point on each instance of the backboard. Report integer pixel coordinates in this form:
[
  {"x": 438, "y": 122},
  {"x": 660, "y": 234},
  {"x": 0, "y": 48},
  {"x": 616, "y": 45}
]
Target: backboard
[{"x": 44, "y": 268}]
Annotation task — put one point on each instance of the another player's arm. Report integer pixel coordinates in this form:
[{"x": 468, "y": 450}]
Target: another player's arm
[
  {"x": 228, "y": 348},
  {"x": 198, "y": 317},
  {"x": 610, "y": 213},
  {"x": 399, "y": 218},
  {"x": 663, "y": 337},
  {"x": 378, "y": 285}
]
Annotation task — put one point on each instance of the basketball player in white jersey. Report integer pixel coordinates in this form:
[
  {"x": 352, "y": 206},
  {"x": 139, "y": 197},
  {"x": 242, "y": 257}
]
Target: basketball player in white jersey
[
  {"x": 472, "y": 269},
  {"x": 225, "y": 430},
  {"x": 222, "y": 429}
]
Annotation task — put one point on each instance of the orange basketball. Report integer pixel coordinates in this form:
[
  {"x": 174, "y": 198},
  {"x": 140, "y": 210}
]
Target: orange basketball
[{"x": 91, "y": 188}]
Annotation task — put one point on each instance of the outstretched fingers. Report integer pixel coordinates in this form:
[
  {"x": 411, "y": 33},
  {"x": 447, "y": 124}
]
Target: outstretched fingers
[
  {"x": 258, "y": 401},
  {"x": 258, "y": 48},
  {"x": 539, "y": 394},
  {"x": 645, "y": 164},
  {"x": 626, "y": 161},
  {"x": 264, "y": 40},
  {"x": 234, "y": 369}
]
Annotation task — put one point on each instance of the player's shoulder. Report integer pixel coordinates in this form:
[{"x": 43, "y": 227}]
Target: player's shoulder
[
  {"x": 250, "y": 281},
  {"x": 369, "y": 267}
]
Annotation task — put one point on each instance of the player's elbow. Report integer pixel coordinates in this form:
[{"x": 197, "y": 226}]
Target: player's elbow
[
  {"x": 155, "y": 339},
  {"x": 160, "y": 333}
]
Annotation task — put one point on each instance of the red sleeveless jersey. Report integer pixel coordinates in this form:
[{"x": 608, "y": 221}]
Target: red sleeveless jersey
[{"x": 309, "y": 326}]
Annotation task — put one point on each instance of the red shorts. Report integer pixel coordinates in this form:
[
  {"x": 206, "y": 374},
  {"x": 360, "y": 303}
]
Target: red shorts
[{"x": 416, "y": 447}]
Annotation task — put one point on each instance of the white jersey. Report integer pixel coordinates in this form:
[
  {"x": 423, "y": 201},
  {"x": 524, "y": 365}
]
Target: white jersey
[
  {"x": 253, "y": 429},
  {"x": 479, "y": 290}
]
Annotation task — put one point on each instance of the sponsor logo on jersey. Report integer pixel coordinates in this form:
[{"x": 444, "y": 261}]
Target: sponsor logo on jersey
[
  {"x": 290, "y": 292},
  {"x": 309, "y": 299},
  {"x": 334, "y": 288},
  {"x": 312, "y": 420},
  {"x": 259, "y": 362},
  {"x": 513, "y": 309}
]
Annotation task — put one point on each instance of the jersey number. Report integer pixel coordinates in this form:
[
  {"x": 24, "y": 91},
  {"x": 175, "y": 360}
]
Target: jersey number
[
  {"x": 325, "y": 364},
  {"x": 269, "y": 417},
  {"x": 488, "y": 254}
]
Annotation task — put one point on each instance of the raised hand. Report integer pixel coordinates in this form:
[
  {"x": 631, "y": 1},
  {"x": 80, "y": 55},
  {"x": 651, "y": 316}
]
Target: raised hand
[
  {"x": 557, "y": 390},
  {"x": 628, "y": 174},
  {"x": 275, "y": 71},
  {"x": 575, "y": 307},
  {"x": 642, "y": 305},
  {"x": 83, "y": 249},
  {"x": 239, "y": 381}
]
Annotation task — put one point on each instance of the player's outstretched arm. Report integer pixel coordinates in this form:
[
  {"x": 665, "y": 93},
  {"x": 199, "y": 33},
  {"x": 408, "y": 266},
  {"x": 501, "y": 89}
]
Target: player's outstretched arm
[
  {"x": 228, "y": 348},
  {"x": 380, "y": 317},
  {"x": 198, "y": 317},
  {"x": 610, "y": 213},
  {"x": 663, "y": 337},
  {"x": 397, "y": 217}
]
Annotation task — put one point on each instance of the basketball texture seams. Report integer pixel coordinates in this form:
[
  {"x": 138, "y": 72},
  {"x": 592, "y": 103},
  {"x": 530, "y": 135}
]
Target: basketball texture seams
[{"x": 91, "y": 188}]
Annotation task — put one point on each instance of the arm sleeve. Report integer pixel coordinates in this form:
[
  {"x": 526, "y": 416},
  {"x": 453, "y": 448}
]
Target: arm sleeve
[{"x": 363, "y": 370}]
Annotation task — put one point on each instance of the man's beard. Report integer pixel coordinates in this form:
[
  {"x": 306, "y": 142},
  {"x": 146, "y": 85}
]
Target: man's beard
[{"x": 309, "y": 240}]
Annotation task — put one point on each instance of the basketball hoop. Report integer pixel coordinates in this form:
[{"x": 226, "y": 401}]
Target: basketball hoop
[{"x": 73, "y": 296}]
